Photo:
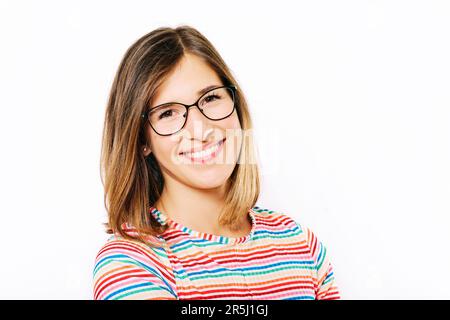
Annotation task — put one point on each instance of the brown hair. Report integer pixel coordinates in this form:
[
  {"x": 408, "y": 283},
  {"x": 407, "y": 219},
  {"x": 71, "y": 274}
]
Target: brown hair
[{"x": 132, "y": 182}]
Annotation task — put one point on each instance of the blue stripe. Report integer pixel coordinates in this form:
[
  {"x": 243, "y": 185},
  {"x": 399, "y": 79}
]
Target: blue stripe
[
  {"x": 275, "y": 232},
  {"x": 108, "y": 258},
  {"x": 328, "y": 278},
  {"x": 253, "y": 268},
  {"x": 321, "y": 256},
  {"x": 301, "y": 298},
  {"x": 188, "y": 241},
  {"x": 146, "y": 284},
  {"x": 150, "y": 269}
]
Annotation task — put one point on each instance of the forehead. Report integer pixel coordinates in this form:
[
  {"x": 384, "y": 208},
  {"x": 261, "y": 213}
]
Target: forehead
[{"x": 186, "y": 79}]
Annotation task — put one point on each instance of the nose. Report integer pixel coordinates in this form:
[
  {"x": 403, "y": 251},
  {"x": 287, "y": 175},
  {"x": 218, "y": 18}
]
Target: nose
[
  {"x": 194, "y": 116},
  {"x": 196, "y": 123}
]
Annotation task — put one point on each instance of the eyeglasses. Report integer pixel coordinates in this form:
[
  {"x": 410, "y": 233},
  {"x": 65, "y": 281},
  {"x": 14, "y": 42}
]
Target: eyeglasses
[{"x": 169, "y": 118}]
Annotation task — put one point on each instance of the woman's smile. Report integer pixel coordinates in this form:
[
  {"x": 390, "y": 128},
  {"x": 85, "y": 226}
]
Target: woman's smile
[{"x": 204, "y": 155}]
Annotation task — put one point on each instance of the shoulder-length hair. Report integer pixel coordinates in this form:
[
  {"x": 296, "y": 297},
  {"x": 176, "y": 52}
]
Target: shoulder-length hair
[{"x": 132, "y": 182}]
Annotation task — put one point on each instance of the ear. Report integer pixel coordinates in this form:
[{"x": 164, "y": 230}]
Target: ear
[{"x": 146, "y": 150}]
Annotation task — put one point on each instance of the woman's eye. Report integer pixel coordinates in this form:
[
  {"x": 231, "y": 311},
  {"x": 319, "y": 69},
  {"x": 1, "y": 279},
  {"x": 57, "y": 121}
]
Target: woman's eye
[
  {"x": 212, "y": 98},
  {"x": 165, "y": 114}
]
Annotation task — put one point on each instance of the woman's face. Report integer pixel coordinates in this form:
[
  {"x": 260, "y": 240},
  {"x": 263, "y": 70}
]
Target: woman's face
[{"x": 183, "y": 84}]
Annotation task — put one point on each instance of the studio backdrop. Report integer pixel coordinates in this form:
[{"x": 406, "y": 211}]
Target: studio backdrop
[{"x": 350, "y": 102}]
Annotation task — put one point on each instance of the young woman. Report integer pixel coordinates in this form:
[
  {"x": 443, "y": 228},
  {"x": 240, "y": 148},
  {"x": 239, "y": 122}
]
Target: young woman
[{"x": 181, "y": 183}]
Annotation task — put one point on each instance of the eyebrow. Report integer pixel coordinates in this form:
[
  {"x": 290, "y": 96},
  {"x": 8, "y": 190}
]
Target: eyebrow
[{"x": 200, "y": 92}]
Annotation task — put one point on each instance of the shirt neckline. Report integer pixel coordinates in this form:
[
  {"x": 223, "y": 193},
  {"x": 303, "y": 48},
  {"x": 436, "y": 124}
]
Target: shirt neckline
[{"x": 163, "y": 219}]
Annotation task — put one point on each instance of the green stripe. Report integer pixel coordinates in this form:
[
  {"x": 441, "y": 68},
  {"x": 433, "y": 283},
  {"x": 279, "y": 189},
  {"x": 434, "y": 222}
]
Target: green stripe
[
  {"x": 203, "y": 245},
  {"x": 246, "y": 274},
  {"x": 111, "y": 260},
  {"x": 278, "y": 236},
  {"x": 135, "y": 292},
  {"x": 323, "y": 257},
  {"x": 261, "y": 210},
  {"x": 100, "y": 266},
  {"x": 162, "y": 254},
  {"x": 256, "y": 237},
  {"x": 108, "y": 261},
  {"x": 327, "y": 281}
]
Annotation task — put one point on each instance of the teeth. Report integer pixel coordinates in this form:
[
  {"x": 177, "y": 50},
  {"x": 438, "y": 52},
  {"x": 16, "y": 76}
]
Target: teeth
[{"x": 204, "y": 153}]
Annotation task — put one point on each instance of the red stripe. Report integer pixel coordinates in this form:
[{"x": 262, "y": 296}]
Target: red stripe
[
  {"x": 243, "y": 257},
  {"x": 333, "y": 295},
  {"x": 313, "y": 243},
  {"x": 293, "y": 284},
  {"x": 281, "y": 219},
  {"x": 160, "y": 267},
  {"x": 214, "y": 294},
  {"x": 274, "y": 228},
  {"x": 135, "y": 250},
  {"x": 281, "y": 222},
  {"x": 115, "y": 277},
  {"x": 174, "y": 234}
]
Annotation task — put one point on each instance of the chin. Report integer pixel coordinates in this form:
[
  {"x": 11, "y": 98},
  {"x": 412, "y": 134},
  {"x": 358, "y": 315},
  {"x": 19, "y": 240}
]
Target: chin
[{"x": 209, "y": 179}]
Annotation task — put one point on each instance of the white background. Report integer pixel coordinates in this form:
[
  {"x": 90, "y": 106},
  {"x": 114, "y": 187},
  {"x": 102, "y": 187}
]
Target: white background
[{"x": 351, "y": 105}]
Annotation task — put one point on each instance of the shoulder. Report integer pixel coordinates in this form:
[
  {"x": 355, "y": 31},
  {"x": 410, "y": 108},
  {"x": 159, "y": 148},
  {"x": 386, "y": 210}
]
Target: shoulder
[
  {"x": 284, "y": 222},
  {"x": 126, "y": 264},
  {"x": 276, "y": 219},
  {"x": 117, "y": 248}
]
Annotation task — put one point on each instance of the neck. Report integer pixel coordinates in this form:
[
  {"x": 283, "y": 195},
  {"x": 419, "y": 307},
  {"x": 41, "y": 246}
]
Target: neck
[{"x": 197, "y": 209}]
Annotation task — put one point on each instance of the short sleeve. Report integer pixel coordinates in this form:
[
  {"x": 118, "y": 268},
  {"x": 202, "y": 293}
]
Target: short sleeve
[
  {"x": 325, "y": 286},
  {"x": 124, "y": 270}
]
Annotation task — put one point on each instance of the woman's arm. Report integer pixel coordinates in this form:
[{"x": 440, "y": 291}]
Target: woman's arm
[
  {"x": 122, "y": 273},
  {"x": 326, "y": 286}
]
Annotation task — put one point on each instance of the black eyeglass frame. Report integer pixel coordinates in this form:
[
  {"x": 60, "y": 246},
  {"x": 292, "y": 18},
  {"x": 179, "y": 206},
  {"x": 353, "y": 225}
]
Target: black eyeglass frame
[{"x": 187, "y": 106}]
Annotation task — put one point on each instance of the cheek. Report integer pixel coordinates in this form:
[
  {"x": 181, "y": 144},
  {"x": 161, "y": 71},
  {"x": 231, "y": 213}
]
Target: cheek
[
  {"x": 233, "y": 121},
  {"x": 234, "y": 135},
  {"x": 231, "y": 127},
  {"x": 166, "y": 152},
  {"x": 163, "y": 148}
]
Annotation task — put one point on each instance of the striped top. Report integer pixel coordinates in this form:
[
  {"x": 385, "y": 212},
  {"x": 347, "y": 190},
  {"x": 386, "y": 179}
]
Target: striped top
[{"x": 278, "y": 259}]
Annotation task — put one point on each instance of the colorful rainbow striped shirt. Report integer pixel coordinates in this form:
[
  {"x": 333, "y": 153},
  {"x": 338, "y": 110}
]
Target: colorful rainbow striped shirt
[{"x": 279, "y": 259}]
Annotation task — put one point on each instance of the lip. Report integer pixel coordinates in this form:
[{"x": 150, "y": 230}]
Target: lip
[
  {"x": 208, "y": 158},
  {"x": 207, "y": 146}
]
